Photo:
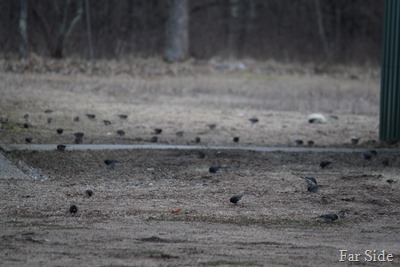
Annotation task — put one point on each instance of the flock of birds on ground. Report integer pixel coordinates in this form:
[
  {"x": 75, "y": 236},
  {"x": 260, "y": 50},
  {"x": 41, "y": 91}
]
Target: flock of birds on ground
[{"x": 312, "y": 185}]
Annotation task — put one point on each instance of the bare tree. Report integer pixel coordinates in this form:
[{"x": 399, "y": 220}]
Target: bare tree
[
  {"x": 22, "y": 28},
  {"x": 65, "y": 27},
  {"x": 177, "y": 31},
  {"x": 321, "y": 28}
]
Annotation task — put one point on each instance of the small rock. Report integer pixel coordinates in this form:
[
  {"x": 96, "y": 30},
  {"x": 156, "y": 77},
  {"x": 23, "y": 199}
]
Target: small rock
[
  {"x": 60, "y": 130},
  {"x": 48, "y": 111},
  {"x": 106, "y": 122},
  {"x": 90, "y": 116},
  {"x": 197, "y": 139},
  {"x": 49, "y": 120},
  {"x": 153, "y": 139},
  {"x": 123, "y": 116},
  {"x": 28, "y": 140},
  {"x": 76, "y": 119},
  {"x": 236, "y": 139}
]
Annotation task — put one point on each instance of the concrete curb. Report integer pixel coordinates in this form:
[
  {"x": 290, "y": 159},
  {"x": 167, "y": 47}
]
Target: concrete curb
[{"x": 85, "y": 147}]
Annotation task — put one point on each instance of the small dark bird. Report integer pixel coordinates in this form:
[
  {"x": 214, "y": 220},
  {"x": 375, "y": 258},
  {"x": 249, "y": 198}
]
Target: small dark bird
[
  {"x": 60, "y": 130},
  {"x": 78, "y": 141},
  {"x": 26, "y": 125},
  {"x": 236, "y": 198},
  {"x": 324, "y": 164},
  {"x": 49, "y": 120},
  {"x": 90, "y": 116},
  {"x": 157, "y": 130},
  {"x": 197, "y": 139},
  {"x": 312, "y": 184},
  {"x": 107, "y": 122},
  {"x": 236, "y": 139},
  {"x": 121, "y": 132},
  {"x": 61, "y": 147},
  {"x": 123, "y": 116},
  {"x": 79, "y": 135},
  {"x": 48, "y": 111},
  {"x": 201, "y": 154},
  {"x": 180, "y": 133},
  {"x": 253, "y": 120},
  {"x": 214, "y": 169},
  {"x": 373, "y": 152},
  {"x": 89, "y": 192},
  {"x": 367, "y": 155},
  {"x": 310, "y": 142},
  {"x": 299, "y": 142},
  {"x": 111, "y": 162},
  {"x": 76, "y": 119},
  {"x": 212, "y": 126},
  {"x": 342, "y": 213},
  {"x": 28, "y": 139},
  {"x": 153, "y": 139},
  {"x": 385, "y": 162},
  {"x": 328, "y": 218},
  {"x": 354, "y": 141},
  {"x": 73, "y": 209}
]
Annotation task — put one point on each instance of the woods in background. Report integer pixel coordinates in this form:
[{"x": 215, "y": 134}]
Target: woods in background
[{"x": 339, "y": 31}]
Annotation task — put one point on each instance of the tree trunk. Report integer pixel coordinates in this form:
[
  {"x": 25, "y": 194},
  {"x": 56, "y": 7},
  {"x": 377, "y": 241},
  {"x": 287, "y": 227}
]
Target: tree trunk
[
  {"x": 22, "y": 28},
  {"x": 65, "y": 30},
  {"x": 177, "y": 32}
]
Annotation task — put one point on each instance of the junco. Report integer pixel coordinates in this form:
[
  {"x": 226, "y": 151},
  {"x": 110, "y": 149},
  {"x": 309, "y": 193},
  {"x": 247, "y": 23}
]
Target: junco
[
  {"x": 253, "y": 120},
  {"x": 89, "y": 192},
  {"x": 111, "y": 162},
  {"x": 214, "y": 169},
  {"x": 236, "y": 198},
  {"x": 61, "y": 147},
  {"x": 328, "y": 218},
  {"x": 312, "y": 184},
  {"x": 157, "y": 130},
  {"x": 73, "y": 209},
  {"x": 324, "y": 164}
]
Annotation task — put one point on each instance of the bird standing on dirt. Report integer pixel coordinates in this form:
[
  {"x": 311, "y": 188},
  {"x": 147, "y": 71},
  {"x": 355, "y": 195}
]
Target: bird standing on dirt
[
  {"x": 312, "y": 184},
  {"x": 214, "y": 169},
  {"x": 236, "y": 198},
  {"x": 328, "y": 218},
  {"x": 111, "y": 162},
  {"x": 61, "y": 147},
  {"x": 253, "y": 120},
  {"x": 324, "y": 164},
  {"x": 73, "y": 209}
]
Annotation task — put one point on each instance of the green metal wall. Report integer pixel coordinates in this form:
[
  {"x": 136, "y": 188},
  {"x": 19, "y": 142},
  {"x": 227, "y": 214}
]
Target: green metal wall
[{"x": 389, "y": 127}]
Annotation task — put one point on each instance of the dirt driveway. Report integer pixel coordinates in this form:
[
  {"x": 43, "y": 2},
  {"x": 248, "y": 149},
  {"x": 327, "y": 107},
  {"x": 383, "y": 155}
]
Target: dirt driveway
[{"x": 164, "y": 207}]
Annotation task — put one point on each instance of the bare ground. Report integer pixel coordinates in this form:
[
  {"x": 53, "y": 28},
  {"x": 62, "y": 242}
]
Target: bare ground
[{"x": 164, "y": 208}]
